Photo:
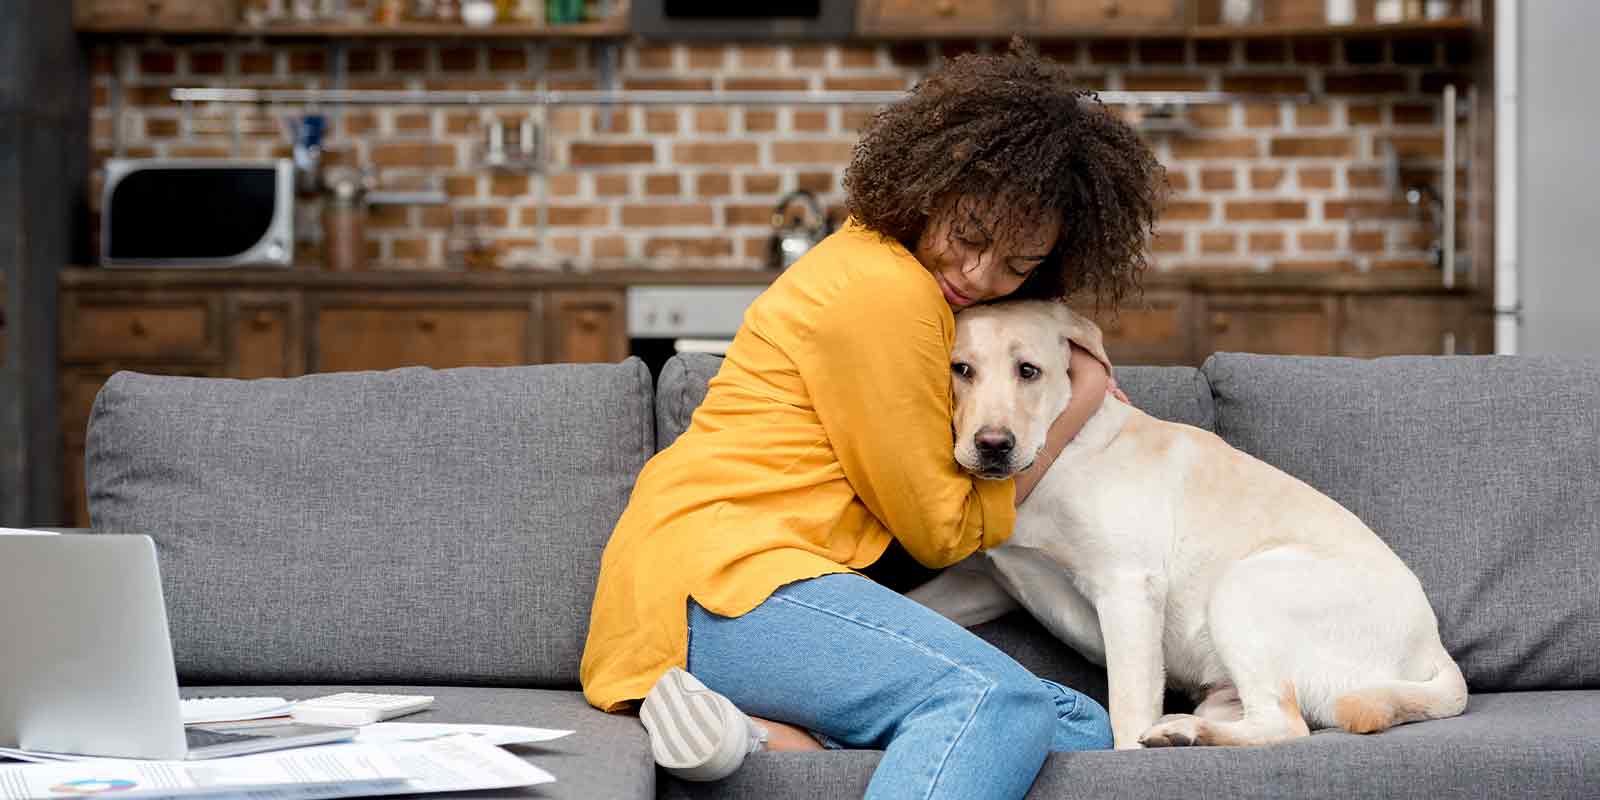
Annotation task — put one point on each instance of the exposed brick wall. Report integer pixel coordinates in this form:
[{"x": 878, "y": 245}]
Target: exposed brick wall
[{"x": 1255, "y": 185}]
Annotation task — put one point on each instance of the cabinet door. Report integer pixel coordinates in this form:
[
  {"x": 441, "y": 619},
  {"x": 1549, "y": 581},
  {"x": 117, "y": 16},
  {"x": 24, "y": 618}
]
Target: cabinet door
[
  {"x": 1154, "y": 330},
  {"x": 158, "y": 326},
  {"x": 940, "y": 17},
  {"x": 357, "y": 334},
  {"x": 265, "y": 339},
  {"x": 1064, "y": 15},
  {"x": 110, "y": 13},
  {"x": 585, "y": 326},
  {"x": 1283, "y": 325},
  {"x": 1388, "y": 325}
]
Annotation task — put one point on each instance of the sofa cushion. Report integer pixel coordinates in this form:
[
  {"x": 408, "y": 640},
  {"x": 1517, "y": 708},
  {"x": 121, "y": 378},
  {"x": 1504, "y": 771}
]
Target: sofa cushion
[
  {"x": 1480, "y": 472},
  {"x": 607, "y": 755},
  {"x": 1179, "y": 394},
  {"x": 413, "y": 525},
  {"x": 1527, "y": 744}
]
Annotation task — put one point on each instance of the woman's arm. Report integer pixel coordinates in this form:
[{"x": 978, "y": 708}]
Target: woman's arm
[{"x": 1089, "y": 383}]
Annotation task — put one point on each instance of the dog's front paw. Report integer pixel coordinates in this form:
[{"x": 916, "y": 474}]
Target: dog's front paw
[{"x": 1174, "y": 730}]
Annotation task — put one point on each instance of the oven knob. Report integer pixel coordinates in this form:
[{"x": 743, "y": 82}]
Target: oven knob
[{"x": 676, "y": 318}]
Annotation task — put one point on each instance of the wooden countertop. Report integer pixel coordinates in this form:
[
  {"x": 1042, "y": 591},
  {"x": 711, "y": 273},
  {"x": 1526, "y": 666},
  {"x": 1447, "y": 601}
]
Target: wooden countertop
[{"x": 1410, "y": 281}]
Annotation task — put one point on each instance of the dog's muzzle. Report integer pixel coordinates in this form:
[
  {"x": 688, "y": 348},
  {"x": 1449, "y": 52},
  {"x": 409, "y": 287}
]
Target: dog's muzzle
[{"x": 994, "y": 447}]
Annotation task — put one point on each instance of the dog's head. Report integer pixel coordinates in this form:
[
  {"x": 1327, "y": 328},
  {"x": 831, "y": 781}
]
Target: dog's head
[{"x": 1009, "y": 369}]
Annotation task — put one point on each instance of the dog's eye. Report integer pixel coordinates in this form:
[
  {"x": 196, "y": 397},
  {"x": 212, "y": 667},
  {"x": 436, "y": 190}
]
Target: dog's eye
[
  {"x": 961, "y": 370},
  {"x": 1027, "y": 371}
]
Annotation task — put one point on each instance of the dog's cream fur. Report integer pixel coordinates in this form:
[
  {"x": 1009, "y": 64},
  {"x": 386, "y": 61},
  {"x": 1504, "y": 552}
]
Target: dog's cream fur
[{"x": 1169, "y": 557}]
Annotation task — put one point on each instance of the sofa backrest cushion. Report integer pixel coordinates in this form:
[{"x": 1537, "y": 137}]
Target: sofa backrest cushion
[
  {"x": 1179, "y": 394},
  {"x": 409, "y": 526},
  {"x": 1480, "y": 472}
]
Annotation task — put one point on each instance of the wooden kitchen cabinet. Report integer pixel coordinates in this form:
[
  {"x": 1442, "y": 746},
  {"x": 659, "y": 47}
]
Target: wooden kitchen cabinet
[
  {"x": 1391, "y": 325},
  {"x": 1291, "y": 324},
  {"x": 585, "y": 326},
  {"x": 1062, "y": 16},
  {"x": 374, "y": 333},
  {"x": 1153, "y": 329},
  {"x": 944, "y": 17},
  {"x": 142, "y": 325},
  {"x": 160, "y": 14},
  {"x": 266, "y": 338}
]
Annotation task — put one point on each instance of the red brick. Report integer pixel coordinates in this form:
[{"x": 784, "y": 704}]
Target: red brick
[
  {"x": 208, "y": 63},
  {"x": 1311, "y": 146},
  {"x": 764, "y": 84},
  {"x": 1364, "y": 114},
  {"x": 1367, "y": 241},
  {"x": 1415, "y": 146},
  {"x": 1317, "y": 241},
  {"x": 461, "y": 185},
  {"x": 668, "y": 183},
  {"x": 808, "y": 152},
  {"x": 414, "y": 155},
  {"x": 160, "y": 128},
  {"x": 817, "y": 182},
  {"x": 1416, "y": 52},
  {"x": 1262, "y": 115},
  {"x": 1266, "y": 242},
  {"x": 505, "y": 59},
  {"x": 713, "y": 184},
  {"x": 408, "y": 59},
  {"x": 1364, "y": 83},
  {"x": 668, "y": 84},
  {"x": 1266, "y": 210},
  {"x": 570, "y": 216},
  {"x": 757, "y": 56},
  {"x": 1110, "y": 51},
  {"x": 1313, "y": 116},
  {"x": 660, "y": 121},
  {"x": 1412, "y": 114},
  {"x": 1312, "y": 265},
  {"x": 1210, "y": 116},
  {"x": 592, "y": 154},
  {"x": 303, "y": 61},
  {"x": 1265, "y": 51},
  {"x": 1364, "y": 178},
  {"x": 678, "y": 214},
  {"x": 1401, "y": 263},
  {"x": 1213, "y": 51},
  {"x": 1213, "y": 180},
  {"x": 561, "y": 58},
  {"x": 158, "y": 63},
  {"x": 1212, "y": 242},
  {"x": 748, "y": 214},
  {"x": 1163, "y": 82},
  {"x": 762, "y": 183},
  {"x": 1162, "y": 51},
  {"x": 612, "y": 185},
  {"x": 1316, "y": 178},
  {"x": 258, "y": 63},
  {"x": 810, "y": 120},
  {"x": 885, "y": 84},
  {"x": 760, "y": 120},
  {"x": 707, "y": 56},
  {"x": 1313, "y": 51},
  {"x": 1214, "y": 148},
  {"x": 1193, "y": 210},
  {"x": 564, "y": 184},
  {"x": 610, "y": 247},
  {"x": 1363, "y": 51},
  {"x": 1365, "y": 209},
  {"x": 807, "y": 55},
  {"x": 711, "y": 120},
  {"x": 674, "y": 247},
  {"x": 1264, "y": 83},
  {"x": 715, "y": 153},
  {"x": 654, "y": 56},
  {"x": 858, "y": 56}
]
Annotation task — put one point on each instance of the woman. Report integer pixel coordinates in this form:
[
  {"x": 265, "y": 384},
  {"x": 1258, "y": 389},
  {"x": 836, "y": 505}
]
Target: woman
[{"x": 821, "y": 457}]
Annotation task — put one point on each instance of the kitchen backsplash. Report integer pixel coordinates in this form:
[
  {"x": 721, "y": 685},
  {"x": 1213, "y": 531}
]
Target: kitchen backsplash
[{"x": 1263, "y": 186}]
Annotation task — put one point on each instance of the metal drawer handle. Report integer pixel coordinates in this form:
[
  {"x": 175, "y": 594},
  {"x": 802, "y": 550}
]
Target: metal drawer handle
[
  {"x": 1112, "y": 8},
  {"x": 588, "y": 320},
  {"x": 945, "y": 8},
  {"x": 261, "y": 321},
  {"x": 138, "y": 329},
  {"x": 1220, "y": 322},
  {"x": 427, "y": 324}
]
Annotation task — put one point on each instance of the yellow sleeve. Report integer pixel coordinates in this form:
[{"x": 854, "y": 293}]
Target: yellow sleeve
[{"x": 877, "y": 366}]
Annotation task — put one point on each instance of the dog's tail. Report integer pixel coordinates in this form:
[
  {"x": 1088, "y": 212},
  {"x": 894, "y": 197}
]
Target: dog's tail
[{"x": 1383, "y": 705}]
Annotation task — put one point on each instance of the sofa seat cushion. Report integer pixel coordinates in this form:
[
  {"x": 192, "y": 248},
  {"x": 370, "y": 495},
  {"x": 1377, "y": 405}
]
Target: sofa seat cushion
[
  {"x": 408, "y": 526},
  {"x": 1524, "y": 744},
  {"x": 607, "y": 755},
  {"x": 1480, "y": 473}
]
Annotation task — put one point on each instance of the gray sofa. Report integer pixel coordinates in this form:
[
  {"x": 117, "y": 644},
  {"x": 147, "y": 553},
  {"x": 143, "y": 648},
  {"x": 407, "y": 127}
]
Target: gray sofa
[{"x": 440, "y": 531}]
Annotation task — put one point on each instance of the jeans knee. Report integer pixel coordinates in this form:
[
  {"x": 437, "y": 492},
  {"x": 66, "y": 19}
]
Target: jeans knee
[
  {"x": 1026, "y": 708},
  {"x": 1081, "y": 723}
]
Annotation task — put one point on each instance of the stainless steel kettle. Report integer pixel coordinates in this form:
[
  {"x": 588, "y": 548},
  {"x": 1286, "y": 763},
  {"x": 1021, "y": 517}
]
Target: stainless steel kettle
[{"x": 798, "y": 223}]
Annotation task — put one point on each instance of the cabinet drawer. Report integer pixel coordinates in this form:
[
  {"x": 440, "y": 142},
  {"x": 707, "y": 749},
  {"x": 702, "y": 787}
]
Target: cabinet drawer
[
  {"x": 386, "y": 338},
  {"x": 585, "y": 326},
  {"x": 1067, "y": 14},
  {"x": 159, "y": 329},
  {"x": 931, "y": 17},
  {"x": 1286, "y": 326}
]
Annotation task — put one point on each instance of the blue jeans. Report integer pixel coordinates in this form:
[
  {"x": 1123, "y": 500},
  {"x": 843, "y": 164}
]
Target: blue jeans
[{"x": 869, "y": 668}]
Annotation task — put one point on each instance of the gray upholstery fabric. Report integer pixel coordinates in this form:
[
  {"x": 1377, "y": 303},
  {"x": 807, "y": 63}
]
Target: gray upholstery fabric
[
  {"x": 1527, "y": 744},
  {"x": 606, "y": 756},
  {"x": 407, "y": 526},
  {"x": 1480, "y": 472},
  {"x": 679, "y": 391},
  {"x": 1179, "y": 394}
]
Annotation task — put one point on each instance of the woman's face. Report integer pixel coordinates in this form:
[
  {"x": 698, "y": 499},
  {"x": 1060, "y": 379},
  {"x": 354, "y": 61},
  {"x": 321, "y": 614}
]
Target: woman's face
[{"x": 973, "y": 259}]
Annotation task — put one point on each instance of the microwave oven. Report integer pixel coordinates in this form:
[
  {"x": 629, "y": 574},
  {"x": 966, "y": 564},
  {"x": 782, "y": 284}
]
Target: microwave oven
[
  {"x": 197, "y": 213},
  {"x": 743, "y": 19}
]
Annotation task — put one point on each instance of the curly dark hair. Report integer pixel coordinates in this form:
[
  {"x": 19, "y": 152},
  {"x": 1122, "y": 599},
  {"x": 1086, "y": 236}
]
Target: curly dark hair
[{"x": 1012, "y": 129}]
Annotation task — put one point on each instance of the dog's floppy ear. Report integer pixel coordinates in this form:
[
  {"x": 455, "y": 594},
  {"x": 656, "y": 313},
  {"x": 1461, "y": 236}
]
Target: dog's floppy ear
[{"x": 1082, "y": 331}]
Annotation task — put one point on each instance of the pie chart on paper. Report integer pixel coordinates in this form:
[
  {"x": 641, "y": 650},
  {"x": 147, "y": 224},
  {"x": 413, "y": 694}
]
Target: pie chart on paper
[{"x": 93, "y": 786}]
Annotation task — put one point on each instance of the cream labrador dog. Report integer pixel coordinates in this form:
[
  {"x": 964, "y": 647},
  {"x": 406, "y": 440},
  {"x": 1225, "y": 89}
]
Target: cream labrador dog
[{"x": 1160, "y": 552}]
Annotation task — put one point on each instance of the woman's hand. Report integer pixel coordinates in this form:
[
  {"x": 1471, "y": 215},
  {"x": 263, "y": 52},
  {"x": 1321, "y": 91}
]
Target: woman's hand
[{"x": 1089, "y": 384}]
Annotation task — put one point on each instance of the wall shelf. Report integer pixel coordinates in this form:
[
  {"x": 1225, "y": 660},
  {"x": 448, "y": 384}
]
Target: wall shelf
[{"x": 603, "y": 29}]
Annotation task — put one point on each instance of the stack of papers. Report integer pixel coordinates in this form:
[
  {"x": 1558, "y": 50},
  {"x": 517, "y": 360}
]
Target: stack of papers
[
  {"x": 210, "y": 710},
  {"x": 387, "y": 758}
]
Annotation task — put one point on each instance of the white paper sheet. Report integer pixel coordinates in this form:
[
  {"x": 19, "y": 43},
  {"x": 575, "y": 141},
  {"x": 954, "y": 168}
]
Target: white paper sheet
[
  {"x": 369, "y": 768},
  {"x": 453, "y": 764},
  {"x": 489, "y": 734},
  {"x": 199, "y": 710}
]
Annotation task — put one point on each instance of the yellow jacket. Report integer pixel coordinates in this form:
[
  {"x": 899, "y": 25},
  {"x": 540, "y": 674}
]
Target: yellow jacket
[{"x": 826, "y": 431}]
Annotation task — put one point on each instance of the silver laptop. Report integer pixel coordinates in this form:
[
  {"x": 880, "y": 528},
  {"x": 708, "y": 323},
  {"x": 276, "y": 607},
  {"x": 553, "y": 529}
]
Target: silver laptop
[{"x": 86, "y": 663}]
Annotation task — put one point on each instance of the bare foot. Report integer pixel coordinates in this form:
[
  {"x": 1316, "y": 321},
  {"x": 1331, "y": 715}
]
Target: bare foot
[{"x": 783, "y": 738}]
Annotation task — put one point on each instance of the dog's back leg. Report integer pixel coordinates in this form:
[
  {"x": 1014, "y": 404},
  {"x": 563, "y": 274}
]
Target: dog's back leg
[{"x": 1381, "y": 706}]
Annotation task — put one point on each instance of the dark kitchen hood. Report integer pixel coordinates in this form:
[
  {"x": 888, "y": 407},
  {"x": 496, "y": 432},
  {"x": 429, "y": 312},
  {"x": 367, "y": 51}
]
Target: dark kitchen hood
[{"x": 744, "y": 20}]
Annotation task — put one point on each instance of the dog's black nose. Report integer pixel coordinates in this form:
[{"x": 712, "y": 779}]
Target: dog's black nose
[{"x": 994, "y": 443}]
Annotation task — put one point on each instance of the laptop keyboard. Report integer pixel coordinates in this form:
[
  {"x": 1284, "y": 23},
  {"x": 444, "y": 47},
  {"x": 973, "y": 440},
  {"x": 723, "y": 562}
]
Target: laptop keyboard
[{"x": 199, "y": 737}]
